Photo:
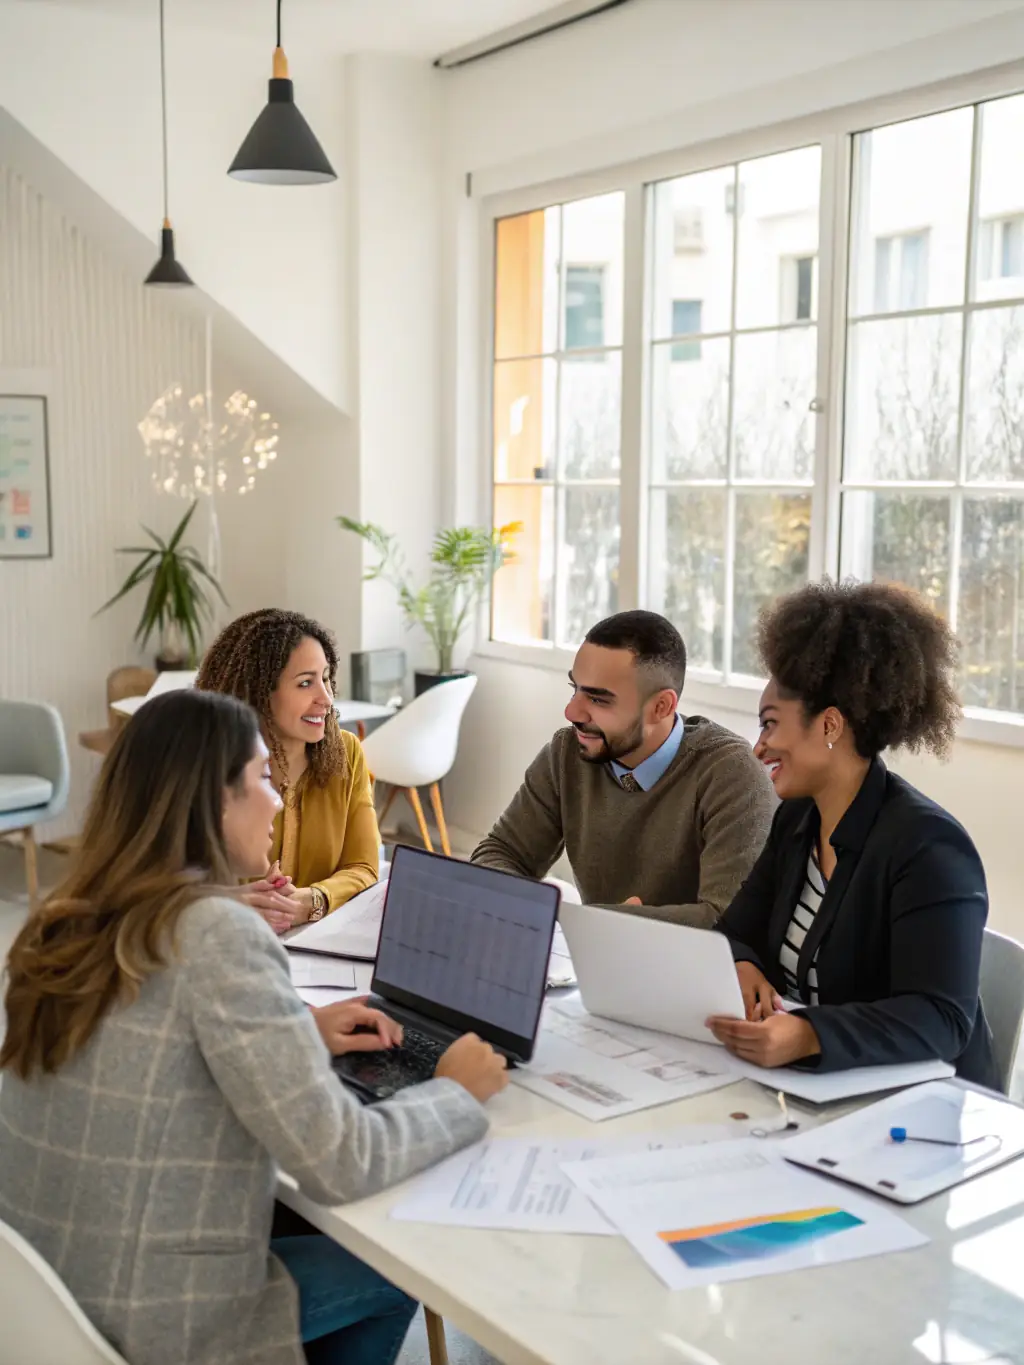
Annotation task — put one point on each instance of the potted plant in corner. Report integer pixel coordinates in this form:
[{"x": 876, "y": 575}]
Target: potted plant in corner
[
  {"x": 463, "y": 560},
  {"x": 176, "y": 602}
]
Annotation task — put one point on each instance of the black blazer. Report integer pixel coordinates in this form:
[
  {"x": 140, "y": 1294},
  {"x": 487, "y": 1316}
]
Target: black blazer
[{"x": 898, "y": 932}]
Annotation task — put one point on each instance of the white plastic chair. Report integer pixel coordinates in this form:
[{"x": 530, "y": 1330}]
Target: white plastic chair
[
  {"x": 417, "y": 748},
  {"x": 1002, "y": 995},
  {"x": 34, "y": 776},
  {"x": 40, "y": 1322}
]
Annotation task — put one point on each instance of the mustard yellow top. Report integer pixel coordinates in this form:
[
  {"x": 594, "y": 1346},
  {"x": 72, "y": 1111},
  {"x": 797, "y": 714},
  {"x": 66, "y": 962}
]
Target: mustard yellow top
[{"x": 327, "y": 836}]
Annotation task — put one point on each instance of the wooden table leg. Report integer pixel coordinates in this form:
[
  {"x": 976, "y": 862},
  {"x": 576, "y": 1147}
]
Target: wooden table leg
[
  {"x": 28, "y": 840},
  {"x": 360, "y": 730},
  {"x": 442, "y": 828},
  {"x": 436, "y": 1343},
  {"x": 417, "y": 806}
]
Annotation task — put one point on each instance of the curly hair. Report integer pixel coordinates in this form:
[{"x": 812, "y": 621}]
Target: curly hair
[
  {"x": 874, "y": 651},
  {"x": 246, "y": 661}
]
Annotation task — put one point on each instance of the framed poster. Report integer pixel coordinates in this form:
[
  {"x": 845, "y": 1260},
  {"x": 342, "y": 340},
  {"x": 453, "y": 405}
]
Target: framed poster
[{"x": 24, "y": 478}]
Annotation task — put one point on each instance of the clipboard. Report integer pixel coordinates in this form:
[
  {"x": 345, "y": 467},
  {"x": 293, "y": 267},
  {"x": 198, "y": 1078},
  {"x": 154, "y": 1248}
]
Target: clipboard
[{"x": 953, "y": 1132}]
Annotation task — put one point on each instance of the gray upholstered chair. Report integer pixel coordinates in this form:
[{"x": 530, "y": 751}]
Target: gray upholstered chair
[{"x": 34, "y": 776}]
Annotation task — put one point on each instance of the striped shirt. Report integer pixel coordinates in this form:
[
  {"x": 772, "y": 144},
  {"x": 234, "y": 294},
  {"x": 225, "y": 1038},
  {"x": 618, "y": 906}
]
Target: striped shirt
[{"x": 799, "y": 926}]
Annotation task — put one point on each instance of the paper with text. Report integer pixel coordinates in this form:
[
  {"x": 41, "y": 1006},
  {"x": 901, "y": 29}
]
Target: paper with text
[
  {"x": 350, "y": 931},
  {"x": 517, "y": 1184},
  {"x": 307, "y": 970},
  {"x": 600, "y": 1069},
  {"x": 734, "y": 1211}
]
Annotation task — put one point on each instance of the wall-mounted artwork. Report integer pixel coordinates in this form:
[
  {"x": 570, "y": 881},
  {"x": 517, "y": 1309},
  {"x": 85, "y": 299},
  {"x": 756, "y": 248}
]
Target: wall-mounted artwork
[{"x": 24, "y": 478}]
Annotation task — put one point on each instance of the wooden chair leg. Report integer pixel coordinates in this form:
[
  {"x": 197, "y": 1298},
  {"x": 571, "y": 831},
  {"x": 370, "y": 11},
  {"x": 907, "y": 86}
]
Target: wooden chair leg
[
  {"x": 417, "y": 807},
  {"x": 387, "y": 805},
  {"x": 442, "y": 828},
  {"x": 28, "y": 842},
  {"x": 436, "y": 1343}
]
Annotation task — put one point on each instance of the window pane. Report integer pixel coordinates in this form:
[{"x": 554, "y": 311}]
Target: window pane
[
  {"x": 994, "y": 427},
  {"x": 524, "y": 419},
  {"x": 773, "y": 426},
  {"x": 693, "y": 235},
  {"x": 778, "y": 224},
  {"x": 999, "y": 267},
  {"x": 991, "y": 611},
  {"x": 902, "y": 399},
  {"x": 526, "y": 283},
  {"x": 592, "y": 251},
  {"x": 908, "y": 240},
  {"x": 590, "y": 416},
  {"x": 588, "y": 561},
  {"x": 584, "y": 306},
  {"x": 690, "y": 406},
  {"x": 898, "y": 538},
  {"x": 687, "y": 567},
  {"x": 772, "y": 538},
  {"x": 523, "y": 590}
]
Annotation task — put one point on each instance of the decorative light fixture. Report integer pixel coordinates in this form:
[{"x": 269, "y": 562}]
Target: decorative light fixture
[
  {"x": 195, "y": 451},
  {"x": 167, "y": 270},
  {"x": 281, "y": 148}
]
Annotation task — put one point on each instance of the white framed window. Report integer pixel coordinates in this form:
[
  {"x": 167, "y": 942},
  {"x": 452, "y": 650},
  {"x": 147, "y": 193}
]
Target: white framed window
[
  {"x": 732, "y": 433},
  {"x": 822, "y": 269},
  {"x": 557, "y": 403}
]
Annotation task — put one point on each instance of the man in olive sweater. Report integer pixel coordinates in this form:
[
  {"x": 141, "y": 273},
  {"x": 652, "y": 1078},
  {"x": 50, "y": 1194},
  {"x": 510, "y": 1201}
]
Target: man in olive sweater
[{"x": 659, "y": 816}]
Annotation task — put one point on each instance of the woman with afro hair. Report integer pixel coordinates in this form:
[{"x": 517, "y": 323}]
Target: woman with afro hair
[
  {"x": 326, "y": 843},
  {"x": 865, "y": 911}
]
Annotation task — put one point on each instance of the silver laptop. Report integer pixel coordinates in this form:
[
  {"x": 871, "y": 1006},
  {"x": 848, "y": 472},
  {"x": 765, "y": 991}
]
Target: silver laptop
[{"x": 646, "y": 972}]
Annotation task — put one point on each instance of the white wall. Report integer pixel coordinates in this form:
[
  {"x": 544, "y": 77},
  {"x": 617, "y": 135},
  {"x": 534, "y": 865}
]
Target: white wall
[
  {"x": 653, "y": 76},
  {"x": 86, "y": 84},
  {"x": 393, "y": 154}
]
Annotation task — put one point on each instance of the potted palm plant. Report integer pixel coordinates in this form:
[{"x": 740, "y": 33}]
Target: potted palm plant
[
  {"x": 463, "y": 560},
  {"x": 177, "y": 601}
]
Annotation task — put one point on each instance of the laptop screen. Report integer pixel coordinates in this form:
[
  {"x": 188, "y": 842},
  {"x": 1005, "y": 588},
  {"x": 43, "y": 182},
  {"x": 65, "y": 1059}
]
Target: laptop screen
[{"x": 467, "y": 946}]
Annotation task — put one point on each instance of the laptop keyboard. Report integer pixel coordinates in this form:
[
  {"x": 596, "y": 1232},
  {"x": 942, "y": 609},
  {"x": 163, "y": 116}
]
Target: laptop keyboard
[{"x": 384, "y": 1073}]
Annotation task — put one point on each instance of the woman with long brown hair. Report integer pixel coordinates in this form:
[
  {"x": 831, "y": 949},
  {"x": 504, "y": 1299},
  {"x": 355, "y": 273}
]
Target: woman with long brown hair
[
  {"x": 159, "y": 1067},
  {"x": 326, "y": 843}
]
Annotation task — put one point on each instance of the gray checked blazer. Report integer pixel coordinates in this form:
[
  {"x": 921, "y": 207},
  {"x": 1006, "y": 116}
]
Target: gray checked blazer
[{"x": 144, "y": 1170}]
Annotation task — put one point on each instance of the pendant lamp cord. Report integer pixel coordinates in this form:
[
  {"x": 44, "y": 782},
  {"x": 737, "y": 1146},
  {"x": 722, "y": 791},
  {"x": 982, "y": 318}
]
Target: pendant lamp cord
[
  {"x": 278, "y": 22},
  {"x": 163, "y": 104}
]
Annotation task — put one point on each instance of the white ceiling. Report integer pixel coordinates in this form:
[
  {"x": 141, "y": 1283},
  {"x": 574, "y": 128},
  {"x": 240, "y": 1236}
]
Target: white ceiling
[{"x": 419, "y": 28}]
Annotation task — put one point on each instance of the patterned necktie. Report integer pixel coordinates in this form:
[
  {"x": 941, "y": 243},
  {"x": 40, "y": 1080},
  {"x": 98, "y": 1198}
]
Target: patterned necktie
[{"x": 628, "y": 783}]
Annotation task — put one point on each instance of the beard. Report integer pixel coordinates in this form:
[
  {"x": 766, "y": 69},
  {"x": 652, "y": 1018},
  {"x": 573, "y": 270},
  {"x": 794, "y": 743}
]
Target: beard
[{"x": 612, "y": 746}]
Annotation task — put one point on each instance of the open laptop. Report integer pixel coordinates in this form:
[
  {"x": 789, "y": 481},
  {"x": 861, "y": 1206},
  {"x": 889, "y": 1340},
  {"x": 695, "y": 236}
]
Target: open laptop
[
  {"x": 646, "y": 972},
  {"x": 462, "y": 949}
]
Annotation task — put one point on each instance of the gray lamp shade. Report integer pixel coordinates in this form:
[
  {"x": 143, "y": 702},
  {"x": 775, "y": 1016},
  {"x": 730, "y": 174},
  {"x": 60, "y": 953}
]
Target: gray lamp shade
[
  {"x": 281, "y": 148},
  {"x": 167, "y": 270}
]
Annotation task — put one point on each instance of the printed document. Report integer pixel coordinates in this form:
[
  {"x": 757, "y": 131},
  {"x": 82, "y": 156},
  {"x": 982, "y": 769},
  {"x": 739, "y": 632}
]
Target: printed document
[
  {"x": 350, "y": 931},
  {"x": 518, "y": 1183},
  {"x": 307, "y": 970},
  {"x": 734, "y": 1211},
  {"x": 601, "y": 1070}
]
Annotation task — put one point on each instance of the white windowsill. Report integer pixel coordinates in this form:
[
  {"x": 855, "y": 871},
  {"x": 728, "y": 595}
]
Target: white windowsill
[{"x": 701, "y": 691}]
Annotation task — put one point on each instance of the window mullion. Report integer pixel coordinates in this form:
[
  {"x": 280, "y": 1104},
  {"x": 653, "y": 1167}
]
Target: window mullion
[
  {"x": 728, "y": 607},
  {"x": 632, "y": 495},
  {"x": 956, "y": 518},
  {"x": 826, "y": 499}
]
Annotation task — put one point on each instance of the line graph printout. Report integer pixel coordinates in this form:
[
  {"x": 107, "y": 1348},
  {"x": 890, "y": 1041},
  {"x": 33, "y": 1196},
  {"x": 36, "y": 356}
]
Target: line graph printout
[
  {"x": 600, "y": 1069},
  {"x": 467, "y": 938}
]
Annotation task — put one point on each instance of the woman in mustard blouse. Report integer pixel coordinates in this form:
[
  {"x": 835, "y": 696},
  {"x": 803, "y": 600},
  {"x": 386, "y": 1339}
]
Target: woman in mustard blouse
[{"x": 325, "y": 840}]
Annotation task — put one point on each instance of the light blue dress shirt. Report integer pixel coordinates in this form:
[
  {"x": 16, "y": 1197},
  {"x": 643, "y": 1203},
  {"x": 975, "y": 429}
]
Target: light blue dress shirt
[{"x": 655, "y": 765}]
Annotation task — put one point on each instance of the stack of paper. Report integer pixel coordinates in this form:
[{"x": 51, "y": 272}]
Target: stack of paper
[
  {"x": 698, "y": 1208},
  {"x": 734, "y": 1211}
]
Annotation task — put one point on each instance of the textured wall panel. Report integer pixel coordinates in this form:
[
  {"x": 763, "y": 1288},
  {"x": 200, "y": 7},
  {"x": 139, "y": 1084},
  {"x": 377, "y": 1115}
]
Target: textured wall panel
[{"x": 108, "y": 347}]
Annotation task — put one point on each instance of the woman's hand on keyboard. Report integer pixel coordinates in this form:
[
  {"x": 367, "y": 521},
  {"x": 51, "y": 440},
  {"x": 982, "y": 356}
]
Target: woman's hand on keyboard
[
  {"x": 476, "y": 1066},
  {"x": 350, "y": 1026}
]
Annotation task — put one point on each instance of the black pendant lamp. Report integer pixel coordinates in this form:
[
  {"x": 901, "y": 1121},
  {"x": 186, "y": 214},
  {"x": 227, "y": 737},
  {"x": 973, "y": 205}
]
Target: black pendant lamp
[
  {"x": 281, "y": 148},
  {"x": 167, "y": 270}
]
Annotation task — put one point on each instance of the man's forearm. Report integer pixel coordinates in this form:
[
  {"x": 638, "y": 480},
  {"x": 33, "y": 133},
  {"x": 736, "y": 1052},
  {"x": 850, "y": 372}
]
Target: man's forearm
[
  {"x": 495, "y": 852},
  {"x": 698, "y": 915}
]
